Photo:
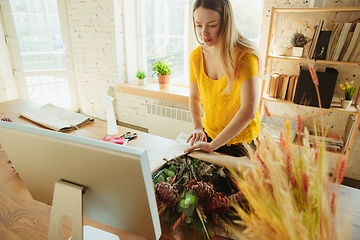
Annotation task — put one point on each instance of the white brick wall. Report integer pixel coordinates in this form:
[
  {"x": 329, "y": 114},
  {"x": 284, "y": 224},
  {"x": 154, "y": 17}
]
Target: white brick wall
[
  {"x": 92, "y": 33},
  {"x": 8, "y": 87}
]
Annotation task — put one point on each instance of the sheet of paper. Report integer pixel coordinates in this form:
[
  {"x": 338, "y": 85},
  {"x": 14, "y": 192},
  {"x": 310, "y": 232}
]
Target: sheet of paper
[{"x": 177, "y": 150}]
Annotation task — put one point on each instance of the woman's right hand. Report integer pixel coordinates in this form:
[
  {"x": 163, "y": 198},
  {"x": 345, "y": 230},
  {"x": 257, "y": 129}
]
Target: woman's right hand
[{"x": 196, "y": 136}]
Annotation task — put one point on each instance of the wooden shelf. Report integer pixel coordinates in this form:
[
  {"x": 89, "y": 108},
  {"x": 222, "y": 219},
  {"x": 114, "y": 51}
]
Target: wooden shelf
[
  {"x": 334, "y": 107},
  {"x": 339, "y": 154},
  {"x": 312, "y": 60},
  {"x": 315, "y": 10},
  {"x": 302, "y": 147}
]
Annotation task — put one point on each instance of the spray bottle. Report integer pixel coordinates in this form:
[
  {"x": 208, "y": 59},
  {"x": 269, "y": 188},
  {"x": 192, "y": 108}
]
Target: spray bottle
[{"x": 111, "y": 121}]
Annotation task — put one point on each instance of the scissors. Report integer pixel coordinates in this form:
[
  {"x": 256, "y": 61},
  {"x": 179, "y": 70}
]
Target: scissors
[{"x": 128, "y": 136}]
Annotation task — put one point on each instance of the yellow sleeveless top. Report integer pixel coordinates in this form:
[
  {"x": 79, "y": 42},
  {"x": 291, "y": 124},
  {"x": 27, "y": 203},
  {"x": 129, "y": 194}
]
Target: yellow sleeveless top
[{"x": 219, "y": 107}]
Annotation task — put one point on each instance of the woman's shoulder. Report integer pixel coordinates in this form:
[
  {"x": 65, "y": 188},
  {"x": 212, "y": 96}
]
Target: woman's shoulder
[
  {"x": 243, "y": 55},
  {"x": 196, "y": 53}
]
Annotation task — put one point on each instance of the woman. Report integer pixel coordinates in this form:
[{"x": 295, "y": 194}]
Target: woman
[{"x": 224, "y": 73}]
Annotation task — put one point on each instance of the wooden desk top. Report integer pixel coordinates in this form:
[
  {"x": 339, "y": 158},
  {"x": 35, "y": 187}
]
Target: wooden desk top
[
  {"x": 21, "y": 217},
  {"x": 154, "y": 145}
]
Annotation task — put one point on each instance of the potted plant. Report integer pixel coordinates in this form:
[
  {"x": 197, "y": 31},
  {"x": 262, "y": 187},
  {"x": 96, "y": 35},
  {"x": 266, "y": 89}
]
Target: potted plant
[
  {"x": 163, "y": 71},
  {"x": 349, "y": 90},
  {"x": 141, "y": 76},
  {"x": 298, "y": 40}
]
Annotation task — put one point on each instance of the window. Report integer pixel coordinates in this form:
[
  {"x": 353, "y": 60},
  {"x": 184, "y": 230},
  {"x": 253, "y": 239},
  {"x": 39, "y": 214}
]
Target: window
[
  {"x": 165, "y": 30},
  {"x": 41, "y": 61}
]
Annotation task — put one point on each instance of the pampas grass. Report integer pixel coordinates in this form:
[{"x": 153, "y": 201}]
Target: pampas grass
[
  {"x": 287, "y": 191},
  {"x": 287, "y": 188}
]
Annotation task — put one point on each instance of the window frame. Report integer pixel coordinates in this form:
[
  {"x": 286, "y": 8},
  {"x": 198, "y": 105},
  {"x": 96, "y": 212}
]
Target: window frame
[
  {"x": 132, "y": 48},
  {"x": 133, "y": 60},
  {"x": 18, "y": 70}
]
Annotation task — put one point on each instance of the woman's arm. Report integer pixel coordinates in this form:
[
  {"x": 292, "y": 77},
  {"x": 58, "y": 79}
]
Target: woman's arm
[
  {"x": 195, "y": 111},
  {"x": 250, "y": 98}
]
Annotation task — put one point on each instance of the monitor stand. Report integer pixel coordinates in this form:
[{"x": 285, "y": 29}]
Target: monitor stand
[{"x": 68, "y": 201}]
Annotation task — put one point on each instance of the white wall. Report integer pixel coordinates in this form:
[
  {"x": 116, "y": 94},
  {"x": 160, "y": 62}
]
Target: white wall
[
  {"x": 99, "y": 63},
  {"x": 8, "y": 86}
]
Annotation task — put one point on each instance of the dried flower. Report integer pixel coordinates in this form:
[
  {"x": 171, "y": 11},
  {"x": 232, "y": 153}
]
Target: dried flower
[
  {"x": 341, "y": 171},
  {"x": 298, "y": 40}
]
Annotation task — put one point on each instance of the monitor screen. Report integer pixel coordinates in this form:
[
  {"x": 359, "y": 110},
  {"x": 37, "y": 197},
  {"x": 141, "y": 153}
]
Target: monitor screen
[{"x": 117, "y": 179}]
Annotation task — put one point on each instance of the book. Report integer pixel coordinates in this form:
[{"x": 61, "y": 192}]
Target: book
[
  {"x": 290, "y": 88},
  {"x": 312, "y": 44},
  {"x": 284, "y": 86},
  {"x": 348, "y": 130},
  {"x": 294, "y": 88},
  {"x": 273, "y": 85},
  {"x": 357, "y": 101},
  {"x": 355, "y": 52},
  {"x": 358, "y": 58},
  {"x": 333, "y": 40},
  {"x": 315, "y": 39},
  {"x": 352, "y": 43},
  {"x": 341, "y": 40},
  {"x": 346, "y": 46},
  {"x": 328, "y": 140},
  {"x": 322, "y": 45},
  {"x": 279, "y": 86}
]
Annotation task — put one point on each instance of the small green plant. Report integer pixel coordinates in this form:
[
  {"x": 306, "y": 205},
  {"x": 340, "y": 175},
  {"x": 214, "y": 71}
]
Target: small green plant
[
  {"x": 161, "y": 67},
  {"x": 298, "y": 40},
  {"x": 140, "y": 74},
  {"x": 349, "y": 89}
]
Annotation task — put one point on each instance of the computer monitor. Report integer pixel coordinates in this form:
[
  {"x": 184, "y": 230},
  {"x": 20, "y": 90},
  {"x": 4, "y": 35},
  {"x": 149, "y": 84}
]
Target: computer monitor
[{"x": 117, "y": 179}]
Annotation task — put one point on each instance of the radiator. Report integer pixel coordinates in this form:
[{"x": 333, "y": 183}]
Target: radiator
[{"x": 168, "y": 122}]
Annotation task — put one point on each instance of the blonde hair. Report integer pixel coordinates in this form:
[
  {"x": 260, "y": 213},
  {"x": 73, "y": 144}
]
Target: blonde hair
[{"x": 230, "y": 39}]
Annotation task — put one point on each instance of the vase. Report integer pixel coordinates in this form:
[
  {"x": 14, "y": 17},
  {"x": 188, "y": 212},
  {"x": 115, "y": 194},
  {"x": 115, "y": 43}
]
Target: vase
[
  {"x": 297, "y": 51},
  {"x": 164, "y": 81},
  {"x": 345, "y": 103},
  {"x": 142, "y": 81},
  {"x": 280, "y": 50}
]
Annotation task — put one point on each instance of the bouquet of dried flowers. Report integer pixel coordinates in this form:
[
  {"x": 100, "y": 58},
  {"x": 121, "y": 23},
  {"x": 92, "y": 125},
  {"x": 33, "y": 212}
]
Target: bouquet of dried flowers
[
  {"x": 298, "y": 40},
  {"x": 349, "y": 89},
  {"x": 287, "y": 189},
  {"x": 195, "y": 193}
]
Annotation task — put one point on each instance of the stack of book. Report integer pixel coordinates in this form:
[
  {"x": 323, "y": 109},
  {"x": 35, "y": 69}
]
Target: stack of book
[
  {"x": 332, "y": 142},
  {"x": 282, "y": 86},
  {"x": 340, "y": 44}
]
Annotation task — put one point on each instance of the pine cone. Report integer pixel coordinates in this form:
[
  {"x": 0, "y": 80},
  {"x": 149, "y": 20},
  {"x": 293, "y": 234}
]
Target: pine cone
[
  {"x": 7, "y": 119},
  {"x": 166, "y": 193},
  {"x": 217, "y": 204},
  {"x": 204, "y": 191},
  {"x": 237, "y": 198}
]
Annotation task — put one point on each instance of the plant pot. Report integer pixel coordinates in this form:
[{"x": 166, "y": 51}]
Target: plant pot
[
  {"x": 297, "y": 51},
  {"x": 142, "y": 81},
  {"x": 345, "y": 103},
  {"x": 164, "y": 81},
  {"x": 280, "y": 50}
]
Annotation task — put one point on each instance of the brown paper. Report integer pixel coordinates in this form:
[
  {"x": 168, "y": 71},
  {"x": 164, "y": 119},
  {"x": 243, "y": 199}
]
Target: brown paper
[
  {"x": 177, "y": 150},
  {"x": 56, "y": 118}
]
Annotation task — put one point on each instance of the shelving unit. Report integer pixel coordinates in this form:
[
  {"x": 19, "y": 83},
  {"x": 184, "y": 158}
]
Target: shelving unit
[{"x": 335, "y": 106}]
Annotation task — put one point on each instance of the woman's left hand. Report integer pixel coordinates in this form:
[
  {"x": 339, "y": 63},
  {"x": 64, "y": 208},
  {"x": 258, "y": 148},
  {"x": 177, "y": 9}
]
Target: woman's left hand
[{"x": 204, "y": 146}]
